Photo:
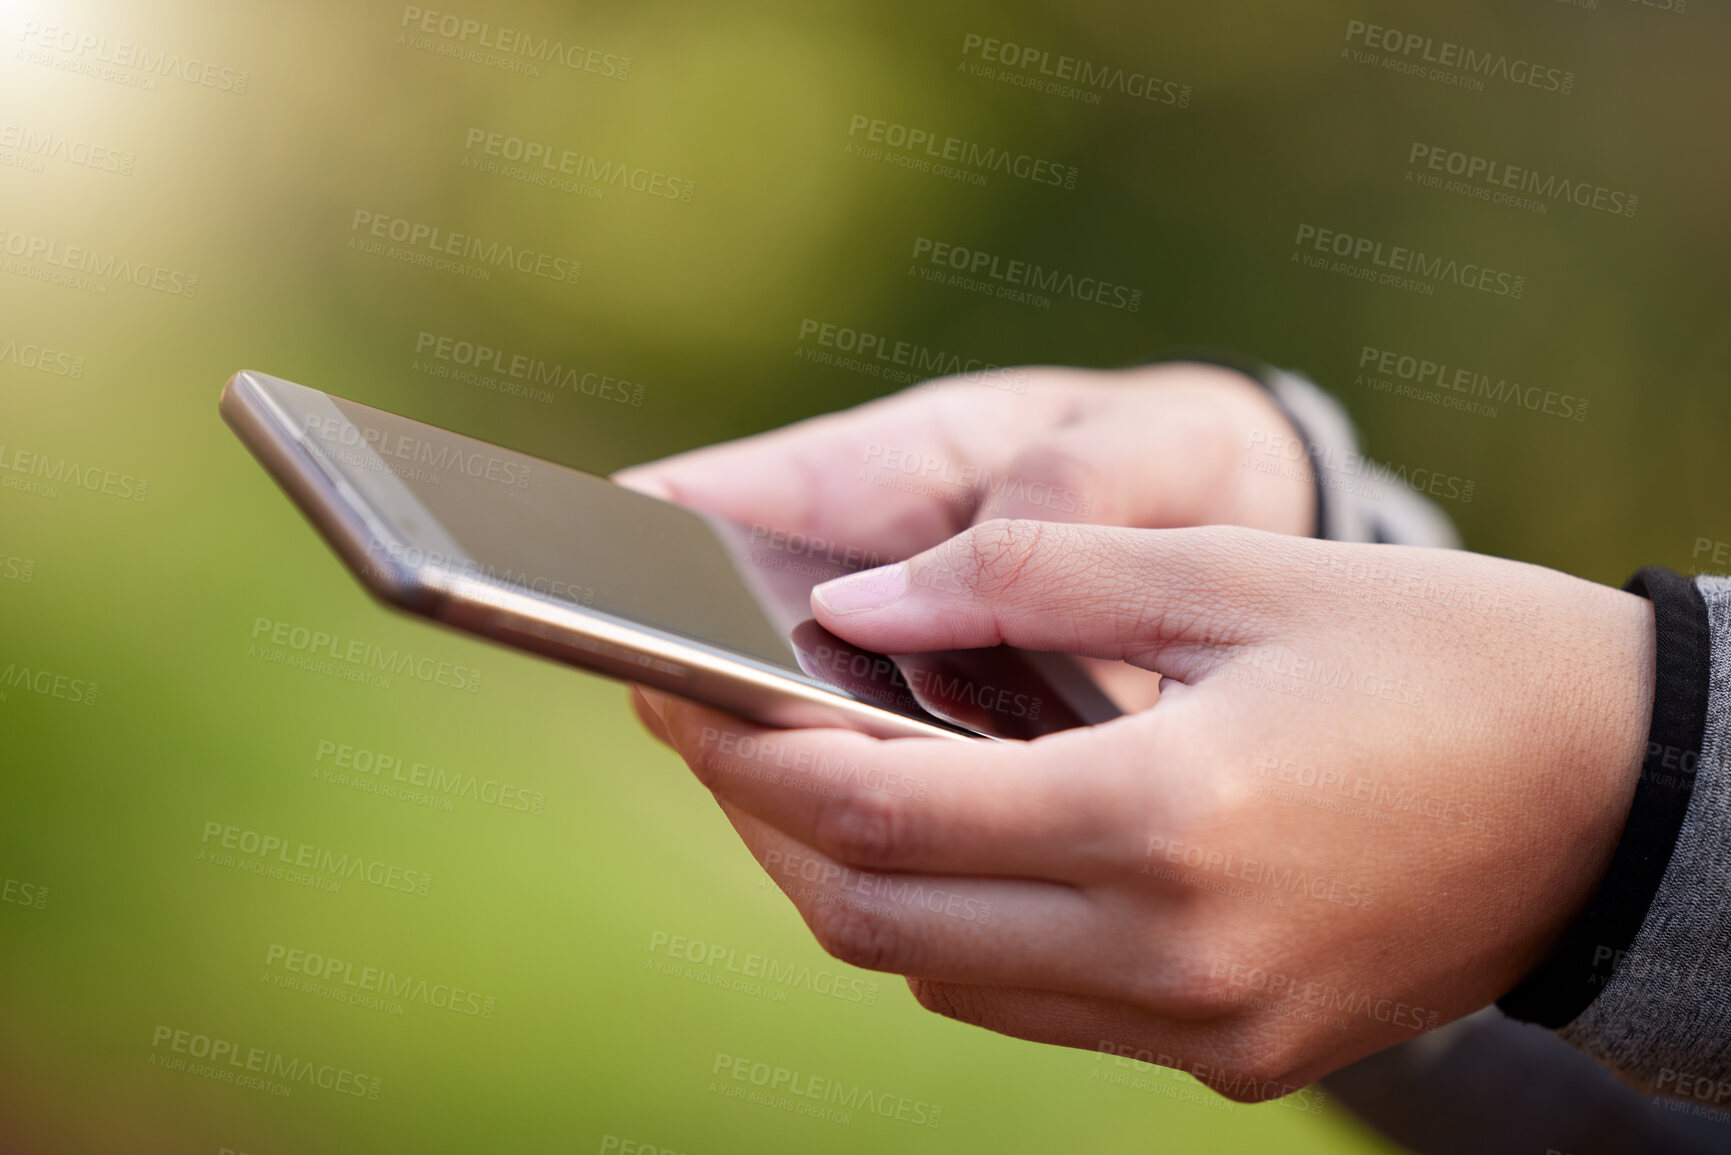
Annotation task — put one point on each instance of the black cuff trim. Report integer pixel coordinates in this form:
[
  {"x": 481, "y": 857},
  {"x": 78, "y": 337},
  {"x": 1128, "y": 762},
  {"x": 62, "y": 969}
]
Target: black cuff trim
[
  {"x": 1584, "y": 959},
  {"x": 1263, "y": 375}
]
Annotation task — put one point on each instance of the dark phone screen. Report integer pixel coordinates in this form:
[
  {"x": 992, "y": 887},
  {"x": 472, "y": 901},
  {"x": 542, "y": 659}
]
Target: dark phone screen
[{"x": 577, "y": 538}]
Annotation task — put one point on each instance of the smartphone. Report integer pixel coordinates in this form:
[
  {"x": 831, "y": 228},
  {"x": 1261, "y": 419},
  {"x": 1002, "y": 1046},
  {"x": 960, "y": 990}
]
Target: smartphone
[{"x": 557, "y": 562}]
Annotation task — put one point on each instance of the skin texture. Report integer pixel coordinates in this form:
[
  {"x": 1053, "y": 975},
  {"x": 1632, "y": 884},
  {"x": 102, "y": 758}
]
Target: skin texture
[
  {"x": 1152, "y": 447},
  {"x": 1375, "y": 785}
]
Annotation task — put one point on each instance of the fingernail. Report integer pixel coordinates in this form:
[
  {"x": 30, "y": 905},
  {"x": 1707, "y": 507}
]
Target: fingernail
[
  {"x": 872, "y": 590},
  {"x": 657, "y": 703}
]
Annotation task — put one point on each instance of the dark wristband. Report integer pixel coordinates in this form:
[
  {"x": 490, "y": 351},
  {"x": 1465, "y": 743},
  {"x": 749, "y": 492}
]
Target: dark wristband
[
  {"x": 1573, "y": 974},
  {"x": 1264, "y": 376}
]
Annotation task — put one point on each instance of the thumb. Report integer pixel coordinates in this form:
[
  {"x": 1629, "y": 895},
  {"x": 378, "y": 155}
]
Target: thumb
[{"x": 1169, "y": 600}]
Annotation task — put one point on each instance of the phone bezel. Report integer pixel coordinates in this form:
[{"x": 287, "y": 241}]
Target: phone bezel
[{"x": 372, "y": 548}]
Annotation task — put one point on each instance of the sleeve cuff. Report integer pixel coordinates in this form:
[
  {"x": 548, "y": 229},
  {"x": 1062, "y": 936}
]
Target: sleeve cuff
[
  {"x": 1356, "y": 499},
  {"x": 1606, "y": 979}
]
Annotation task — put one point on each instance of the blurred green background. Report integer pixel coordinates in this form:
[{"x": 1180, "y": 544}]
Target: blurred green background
[{"x": 129, "y": 130}]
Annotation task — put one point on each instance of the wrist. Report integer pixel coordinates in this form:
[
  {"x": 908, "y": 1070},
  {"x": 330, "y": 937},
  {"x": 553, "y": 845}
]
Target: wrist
[
  {"x": 1603, "y": 736},
  {"x": 1659, "y": 646}
]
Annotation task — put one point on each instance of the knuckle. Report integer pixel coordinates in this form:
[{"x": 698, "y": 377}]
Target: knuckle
[
  {"x": 1262, "y": 1064},
  {"x": 862, "y": 828},
  {"x": 1060, "y": 467},
  {"x": 860, "y": 938},
  {"x": 1190, "y": 983},
  {"x": 1261, "y": 1067},
  {"x": 1000, "y": 554},
  {"x": 1194, "y": 992},
  {"x": 946, "y": 999}
]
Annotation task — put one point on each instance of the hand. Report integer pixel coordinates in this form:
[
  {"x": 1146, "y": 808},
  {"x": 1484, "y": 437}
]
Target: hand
[
  {"x": 1379, "y": 784},
  {"x": 1163, "y": 445}
]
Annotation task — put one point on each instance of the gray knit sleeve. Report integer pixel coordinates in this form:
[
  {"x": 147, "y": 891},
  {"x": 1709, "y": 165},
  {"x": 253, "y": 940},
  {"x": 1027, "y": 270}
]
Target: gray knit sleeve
[
  {"x": 1361, "y": 500},
  {"x": 1663, "y": 1017}
]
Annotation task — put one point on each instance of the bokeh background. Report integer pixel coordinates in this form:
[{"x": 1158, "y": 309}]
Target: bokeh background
[{"x": 236, "y": 142}]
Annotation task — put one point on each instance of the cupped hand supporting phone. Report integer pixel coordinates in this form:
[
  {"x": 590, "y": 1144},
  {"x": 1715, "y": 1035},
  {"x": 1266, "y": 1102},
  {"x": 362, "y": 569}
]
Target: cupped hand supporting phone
[{"x": 1376, "y": 785}]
